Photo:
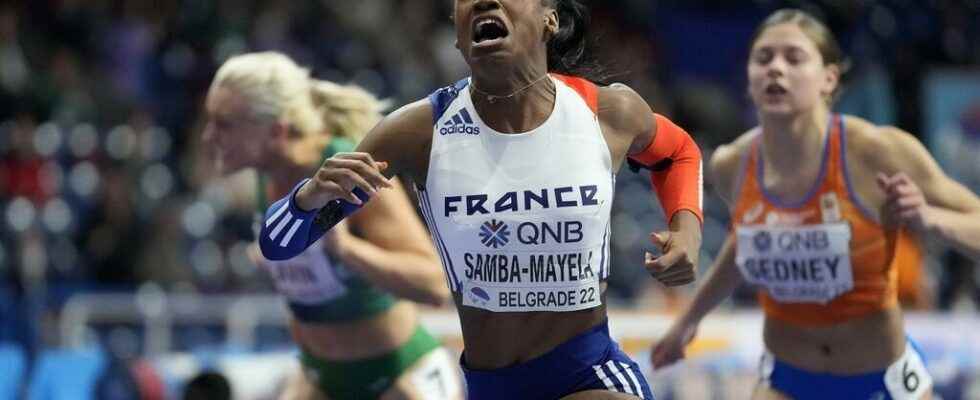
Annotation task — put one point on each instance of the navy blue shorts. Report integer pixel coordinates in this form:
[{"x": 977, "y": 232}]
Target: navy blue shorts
[
  {"x": 906, "y": 378},
  {"x": 591, "y": 360}
]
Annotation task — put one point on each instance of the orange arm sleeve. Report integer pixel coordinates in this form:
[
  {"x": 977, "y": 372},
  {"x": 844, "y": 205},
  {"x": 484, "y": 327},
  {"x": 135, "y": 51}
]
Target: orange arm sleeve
[{"x": 676, "y": 172}]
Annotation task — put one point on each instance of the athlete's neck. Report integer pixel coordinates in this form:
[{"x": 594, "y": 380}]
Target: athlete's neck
[
  {"x": 515, "y": 101},
  {"x": 788, "y": 140},
  {"x": 300, "y": 161}
]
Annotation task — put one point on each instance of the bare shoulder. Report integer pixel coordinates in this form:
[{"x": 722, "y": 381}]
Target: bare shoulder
[
  {"x": 863, "y": 137},
  {"x": 626, "y": 119},
  {"x": 403, "y": 139},
  {"x": 731, "y": 154},
  {"x": 883, "y": 148},
  {"x": 726, "y": 164},
  {"x": 620, "y": 107},
  {"x": 617, "y": 96},
  {"x": 407, "y": 122}
]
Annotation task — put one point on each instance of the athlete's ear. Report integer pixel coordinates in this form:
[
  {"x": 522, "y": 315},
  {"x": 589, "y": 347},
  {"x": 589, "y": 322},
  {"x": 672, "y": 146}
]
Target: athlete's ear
[
  {"x": 551, "y": 24},
  {"x": 832, "y": 74}
]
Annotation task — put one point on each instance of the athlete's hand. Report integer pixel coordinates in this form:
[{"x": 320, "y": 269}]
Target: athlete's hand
[
  {"x": 678, "y": 262},
  {"x": 337, "y": 178},
  {"x": 904, "y": 204},
  {"x": 670, "y": 348}
]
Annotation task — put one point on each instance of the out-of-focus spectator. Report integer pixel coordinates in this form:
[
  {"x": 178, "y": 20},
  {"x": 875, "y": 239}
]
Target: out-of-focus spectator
[
  {"x": 104, "y": 184},
  {"x": 208, "y": 385},
  {"x": 100, "y": 108}
]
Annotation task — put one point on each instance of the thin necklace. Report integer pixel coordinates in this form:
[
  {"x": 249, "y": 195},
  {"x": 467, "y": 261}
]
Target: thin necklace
[{"x": 492, "y": 98}]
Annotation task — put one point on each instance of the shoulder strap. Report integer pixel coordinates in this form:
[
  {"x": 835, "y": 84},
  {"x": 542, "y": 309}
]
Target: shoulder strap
[
  {"x": 442, "y": 98},
  {"x": 748, "y": 169},
  {"x": 588, "y": 90},
  {"x": 835, "y": 173}
]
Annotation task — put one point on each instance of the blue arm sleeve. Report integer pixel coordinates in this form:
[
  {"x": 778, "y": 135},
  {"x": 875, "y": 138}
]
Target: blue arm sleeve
[{"x": 287, "y": 230}]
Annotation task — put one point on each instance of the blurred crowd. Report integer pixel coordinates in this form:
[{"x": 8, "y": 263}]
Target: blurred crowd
[{"x": 104, "y": 184}]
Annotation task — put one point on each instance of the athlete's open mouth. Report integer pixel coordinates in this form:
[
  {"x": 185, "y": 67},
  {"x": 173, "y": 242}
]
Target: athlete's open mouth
[
  {"x": 488, "y": 29},
  {"x": 775, "y": 89}
]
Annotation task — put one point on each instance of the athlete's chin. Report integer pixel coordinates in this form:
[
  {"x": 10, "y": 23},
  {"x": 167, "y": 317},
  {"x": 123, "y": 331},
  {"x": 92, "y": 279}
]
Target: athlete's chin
[
  {"x": 776, "y": 110},
  {"x": 495, "y": 58}
]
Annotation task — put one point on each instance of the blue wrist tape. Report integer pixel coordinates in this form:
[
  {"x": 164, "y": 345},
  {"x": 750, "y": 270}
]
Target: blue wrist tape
[{"x": 288, "y": 230}]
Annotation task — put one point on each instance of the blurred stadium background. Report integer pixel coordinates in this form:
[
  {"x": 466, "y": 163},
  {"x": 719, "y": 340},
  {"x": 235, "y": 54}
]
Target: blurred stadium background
[{"x": 123, "y": 272}]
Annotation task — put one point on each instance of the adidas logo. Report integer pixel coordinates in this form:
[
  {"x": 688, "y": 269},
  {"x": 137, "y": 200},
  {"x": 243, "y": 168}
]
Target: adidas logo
[{"x": 459, "y": 123}]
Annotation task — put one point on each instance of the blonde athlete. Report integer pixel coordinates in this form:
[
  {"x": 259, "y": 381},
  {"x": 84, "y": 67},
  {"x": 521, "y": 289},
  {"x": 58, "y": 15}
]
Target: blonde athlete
[{"x": 350, "y": 294}]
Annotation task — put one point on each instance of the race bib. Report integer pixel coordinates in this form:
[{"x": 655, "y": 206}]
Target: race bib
[
  {"x": 907, "y": 378},
  {"x": 436, "y": 376},
  {"x": 797, "y": 264},
  {"x": 308, "y": 278},
  {"x": 532, "y": 281}
]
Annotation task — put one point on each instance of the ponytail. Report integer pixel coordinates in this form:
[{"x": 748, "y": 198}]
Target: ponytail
[
  {"x": 348, "y": 111},
  {"x": 276, "y": 88}
]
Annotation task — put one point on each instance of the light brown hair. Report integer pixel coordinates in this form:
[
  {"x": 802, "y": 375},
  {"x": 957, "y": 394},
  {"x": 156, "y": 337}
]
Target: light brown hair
[{"x": 813, "y": 28}]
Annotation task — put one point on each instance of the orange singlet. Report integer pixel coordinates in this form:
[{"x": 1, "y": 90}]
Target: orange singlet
[{"x": 823, "y": 260}]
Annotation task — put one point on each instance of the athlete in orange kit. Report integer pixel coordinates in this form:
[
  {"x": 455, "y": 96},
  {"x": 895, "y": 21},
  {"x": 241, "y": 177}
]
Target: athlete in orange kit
[{"x": 820, "y": 207}]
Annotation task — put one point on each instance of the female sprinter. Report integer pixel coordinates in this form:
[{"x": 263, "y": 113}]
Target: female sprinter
[
  {"x": 359, "y": 338},
  {"x": 817, "y": 202},
  {"x": 515, "y": 168}
]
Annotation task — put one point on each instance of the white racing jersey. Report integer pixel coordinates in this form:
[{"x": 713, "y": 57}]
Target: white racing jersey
[{"x": 521, "y": 221}]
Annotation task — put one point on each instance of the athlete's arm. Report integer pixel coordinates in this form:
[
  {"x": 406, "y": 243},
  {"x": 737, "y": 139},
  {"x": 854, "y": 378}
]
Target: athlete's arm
[
  {"x": 634, "y": 127},
  {"x": 393, "y": 147},
  {"x": 673, "y": 160},
  {"x": 345, "y": 181},
  {"x": 920, "y": 195},
  {"x": 393, "y": 251},
  {"x": 722, "y": 278}
]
